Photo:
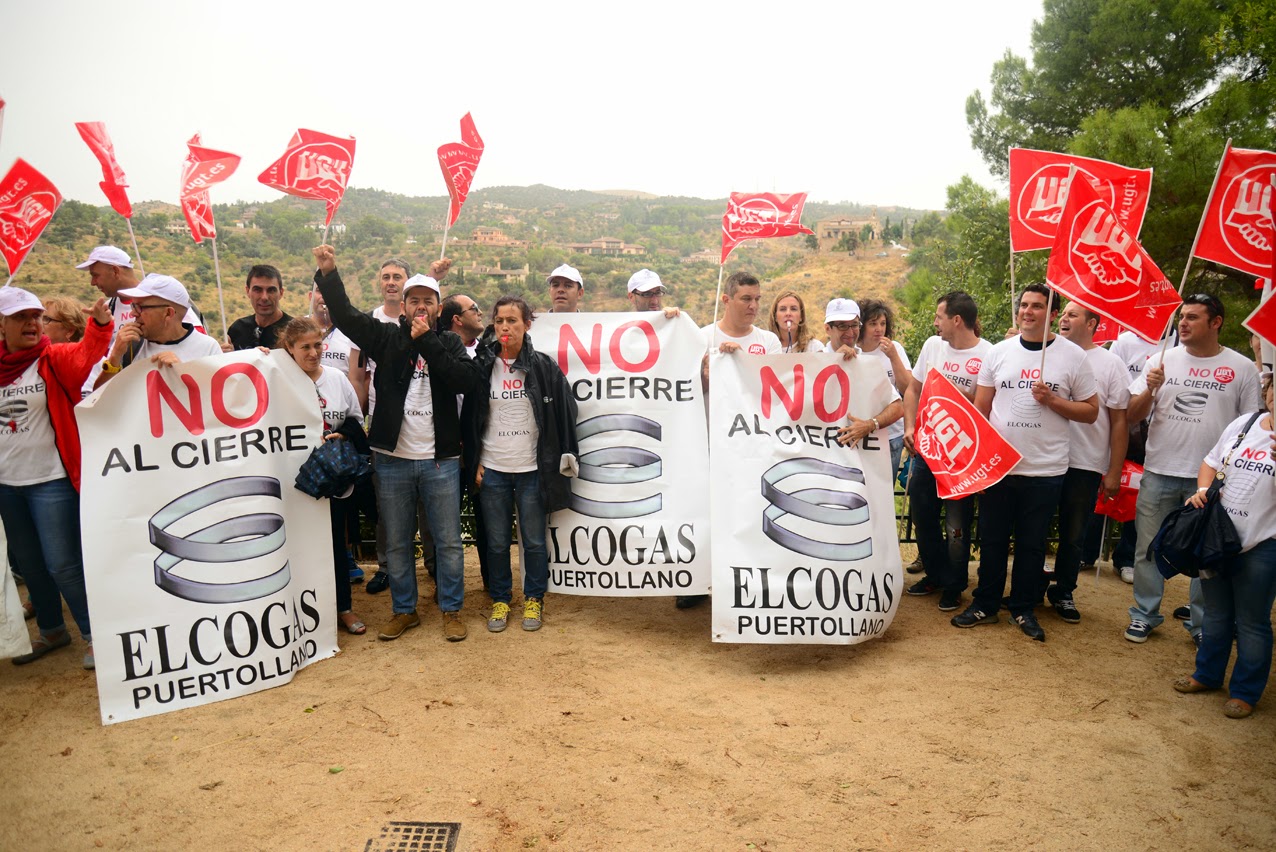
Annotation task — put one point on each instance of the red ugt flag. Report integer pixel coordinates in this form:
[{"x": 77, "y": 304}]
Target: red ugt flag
[
  {"x": 459, "y": 160},
  {"x": 1262, "y": 320},
  {"x": 1237, "y": 230},
  {"x": 28, "y": 201},
  {"x": 755, "y": 216},
  {"x": 1039, "y": 190},
  {"x": 1099, "y": 264},
  {"x": 1122, "y": 507},
  {"x": 961, "y": 448},
  {"x": 203, "y": 168},
  {"x": 315, "y": 165},
  {"x": 114, "y": 183}
]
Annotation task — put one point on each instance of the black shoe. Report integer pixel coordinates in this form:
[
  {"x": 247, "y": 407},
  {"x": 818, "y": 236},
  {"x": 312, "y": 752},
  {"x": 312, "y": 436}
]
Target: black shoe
[
  {"x": 949, "y": 601},
  {"x": 973, "y": 616},
  {"x": 922, "y": 587},
  {"x": 379, "y": 583},
  {"x": 1196, "y": 639},
  {"x": 914, "y": 567},
  {"x": 1067, "y": 610},
  {"x": 1183, "y": 613},
  {"x": 1028, "y": 624},
  {"x": 689, "y": 601}
]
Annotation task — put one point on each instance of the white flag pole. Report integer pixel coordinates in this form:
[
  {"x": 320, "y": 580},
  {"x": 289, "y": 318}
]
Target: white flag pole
[
  {"x": 136, "y": 250},
  {"x": 1045, "y": 336},
  {"x": 221, "y": 299},
  {"x": 446, "y": 224}
]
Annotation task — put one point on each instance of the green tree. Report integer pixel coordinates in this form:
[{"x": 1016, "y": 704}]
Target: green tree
[
  {"x": 812, "y": 242},
  {"x": 849, "y": 242}
]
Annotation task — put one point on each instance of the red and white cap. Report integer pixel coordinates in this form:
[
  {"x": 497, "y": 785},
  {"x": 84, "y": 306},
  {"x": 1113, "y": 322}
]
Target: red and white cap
[{"x": 110, "y": 255}]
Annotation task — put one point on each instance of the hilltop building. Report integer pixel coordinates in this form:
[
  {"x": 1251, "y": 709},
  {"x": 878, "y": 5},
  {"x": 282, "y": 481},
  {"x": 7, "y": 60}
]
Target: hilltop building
[
  {"x": 607, "y": 247},
  {"x": 830, "y": 231}
]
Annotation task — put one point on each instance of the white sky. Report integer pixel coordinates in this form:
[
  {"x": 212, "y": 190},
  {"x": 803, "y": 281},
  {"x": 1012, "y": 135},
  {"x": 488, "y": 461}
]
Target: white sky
[{"x": 852, "y": 101}]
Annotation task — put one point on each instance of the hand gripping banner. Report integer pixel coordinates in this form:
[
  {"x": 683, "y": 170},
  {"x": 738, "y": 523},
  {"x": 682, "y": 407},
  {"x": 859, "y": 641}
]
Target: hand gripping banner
[
  {"x": 209, "y": 575},
  {"x": 315, "y": 165}
]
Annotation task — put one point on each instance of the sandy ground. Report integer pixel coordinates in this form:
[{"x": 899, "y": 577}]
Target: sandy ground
[{"x": 620, "y": 726}]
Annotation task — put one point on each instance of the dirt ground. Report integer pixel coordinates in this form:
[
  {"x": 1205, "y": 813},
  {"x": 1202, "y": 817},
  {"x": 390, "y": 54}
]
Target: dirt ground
[{"x": 621, "y": 726}]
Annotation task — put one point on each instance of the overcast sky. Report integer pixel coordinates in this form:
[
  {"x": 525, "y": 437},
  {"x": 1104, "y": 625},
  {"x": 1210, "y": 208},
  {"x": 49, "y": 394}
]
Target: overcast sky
[{"x": 853, "y": 101}]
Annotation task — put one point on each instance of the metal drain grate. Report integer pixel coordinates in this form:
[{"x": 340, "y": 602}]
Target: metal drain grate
[{"x": 416, "y": 837}]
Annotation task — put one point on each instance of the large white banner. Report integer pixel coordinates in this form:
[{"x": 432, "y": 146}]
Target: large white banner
[
  {"x": 639, "y": 522},
  {"x": 209, "y": 575},
  {"x": 805, "y": 549}
]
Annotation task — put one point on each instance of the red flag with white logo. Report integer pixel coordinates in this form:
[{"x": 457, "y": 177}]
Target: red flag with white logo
[
  {"x": 315, "y": 165},
  {"x": 1122, "y": 507},
  {"x": 1107, "y": 331},
  {"x": 1237, "y": 229},
  {"x": 114, "y": 184},
  {"x": 459, "y": 160},
  {"x": 28, "y": 201},
  {"x": 760, "y": 215},
  {"x": 1039, "y": 191},
  {"x": 1098, "y": 263},
  {"x": 961, "y": 448},
  {"x": 203, "y": 168}
]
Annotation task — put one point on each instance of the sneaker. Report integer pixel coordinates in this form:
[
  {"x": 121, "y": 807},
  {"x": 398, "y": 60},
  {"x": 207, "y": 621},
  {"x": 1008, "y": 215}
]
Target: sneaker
[
  {"x": 1028, "y": 624},
  {"x": 914, "y": 567},
  {"x": 356, "y": 576},
  {"x": 89, "y": 663},
  {"x": 453, "y": 627},
  {"x": 379, "y": 583},
  {"x": 532, "y": 614},
  {"x": 1127, "y": 574},
  {"x": 1183, "y": 613},
  {"x": 1067, "y": 610},
  {"x": 1196, "y": 639},
  {"x": 923, "y": 587},
  {"x": 402, "y": 621},
  {"x": 973, "y": 616},
  {"x": 1138, "y": 631},
  {"x": 949, "y": 601},
  {"x": 500, "y": 615},
  {"x": 42, "y": 645},
  {"x": 689, "y": 601}
]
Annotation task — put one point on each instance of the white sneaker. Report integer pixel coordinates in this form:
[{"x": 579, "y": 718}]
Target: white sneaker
[{"x": 1127, "y": 574}]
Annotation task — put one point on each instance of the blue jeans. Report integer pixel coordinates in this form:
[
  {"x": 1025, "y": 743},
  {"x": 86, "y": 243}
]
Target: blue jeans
[
  {"x": 43, "y": 525},
  {"x": 498, "y": 496},
  {"x": 947, "y": 563},
  {"x": 1076, "y": 508},
  {"x": 897, "y": 450},
  {"x": 1018, "y": 506},
  {"x": 1240, "y": 602},
  {"x": 1158, "y": 496},
  {"x": 436, "y": 483}
]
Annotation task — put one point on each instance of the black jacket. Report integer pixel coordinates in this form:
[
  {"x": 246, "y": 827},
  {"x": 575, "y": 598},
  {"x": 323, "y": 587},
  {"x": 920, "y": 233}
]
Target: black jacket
[
  {"x": 553, "y": 406},
  {"x": 394, "y": 349}
]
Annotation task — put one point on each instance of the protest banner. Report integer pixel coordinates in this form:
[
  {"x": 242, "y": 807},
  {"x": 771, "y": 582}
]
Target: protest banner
[
  {"x": 14, "y": 639},
  {"x": 209, "y": 575},
  {"x": 639, "y": 520},
  {"x": 804, "y": 542},
  {"x": 961, "y": 448}
]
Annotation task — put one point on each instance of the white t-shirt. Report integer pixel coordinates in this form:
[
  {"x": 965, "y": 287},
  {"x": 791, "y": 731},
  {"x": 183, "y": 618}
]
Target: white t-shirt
[
  {"x": 961, "y": 366},
  {"x": 509, "y": 440},
  {"x": 896, "y": 429},
  {"x": 811, "y": 346},
  {"x": 1199, "y": 398},
  {"x": 378, "y": 313},
  {"x": 1091, "y": 447},
  {"x": 1039, "y": 434},
  {"x": 1249, "y": 486},
  {"x": 337, "y": 399},
  {"x": 28, "y": 453},
  {"x": 192, "y": 345},
  {"x": 758, "y": 341},
  {"x": 416, "y": 435},
  {"x": 1134, "y": 352},
  {"x": 336, "y": 350}
]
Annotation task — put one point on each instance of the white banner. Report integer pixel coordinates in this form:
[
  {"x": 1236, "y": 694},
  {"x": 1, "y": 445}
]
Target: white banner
[
  {"x": 639, "y": 522},
  {"x": 14, "y": 639},
  {"x": 805, "y": 549},
  {"x": 209, "y": 575}
]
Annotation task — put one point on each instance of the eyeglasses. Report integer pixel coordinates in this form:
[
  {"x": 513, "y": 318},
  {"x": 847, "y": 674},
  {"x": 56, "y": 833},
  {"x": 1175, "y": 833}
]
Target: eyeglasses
[
  {"x": 654, "y": 291},
  {"x": 474, "y": 308},
  {"x": 844, "y": 326},
  {"x": 48, "y": 320},
  {"x": 138, "y": 308}
]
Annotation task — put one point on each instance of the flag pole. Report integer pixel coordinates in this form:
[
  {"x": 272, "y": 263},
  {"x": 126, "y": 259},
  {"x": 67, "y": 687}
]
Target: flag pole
[
  {"x": 221, "y": 299},
  {"x": 9, "y": 280},
  {"x": 446, "y": 224},
  {"x": 1012, "y": 284},
  {"x": 1045, "y": 336},
  {"x": 129, "y": 221},
  {"x": 717, "y": 297}
]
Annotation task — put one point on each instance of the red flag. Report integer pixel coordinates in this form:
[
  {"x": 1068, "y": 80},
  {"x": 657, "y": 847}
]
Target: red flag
[
  {"x": 1122, "y": 507},
  {"x": 1107, "y": 331},
  {"x": 28, "y": 201},
  {"x": 1236, "y": 228},
  {"x": 1039, "y": 190},
  {"x": 458, "y": 160},
  {"x": 961, "y": 448},
  {"x": 315, "y": 165},
  {"x": 759, "y": 215},
  {"x": 1099, "y": 264},
  {"x": 114, "y": 183},
  {"x": 203, "y": 168},
  {"x": 1262, "y": 320}
]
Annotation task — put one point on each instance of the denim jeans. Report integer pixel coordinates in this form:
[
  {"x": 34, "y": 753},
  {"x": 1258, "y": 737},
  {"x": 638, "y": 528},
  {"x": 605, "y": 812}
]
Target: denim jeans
[
  {"x": 897, "y": 450},
  {"x": 947, "y": 564},
  {"x": 1076, "y": 507},
  {"x": 1097, "y": 530},
  {"x": 498, "y": 496},
  {"x": 1018, "y": 506},
  {"x": 42, "y": 522},
  {"x": 1240, "y": 602},
  {"x": 1158, "y": 495},
  {"x": 436, "y": 484}
]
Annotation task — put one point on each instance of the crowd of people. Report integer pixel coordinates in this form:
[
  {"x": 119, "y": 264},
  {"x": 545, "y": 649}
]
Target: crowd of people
[{"x": 448, "y": 400}]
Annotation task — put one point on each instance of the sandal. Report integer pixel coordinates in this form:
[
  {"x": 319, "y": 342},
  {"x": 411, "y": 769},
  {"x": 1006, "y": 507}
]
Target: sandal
[
  {"x": 351, "y": 623},
  {"x": 28, "y": 611},
  {"x": 1189, "y": 684},
  {"x": 42, "y": 645},
  {"x": 1237, "y": 709}
]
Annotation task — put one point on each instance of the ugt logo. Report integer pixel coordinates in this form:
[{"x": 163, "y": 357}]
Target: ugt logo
[
  {"x": 1103, "y": 251},
  {"x": 1044, "y": 195},
  {"x": 948, "y": 437},
  {"x": 1246, "y": 215}
]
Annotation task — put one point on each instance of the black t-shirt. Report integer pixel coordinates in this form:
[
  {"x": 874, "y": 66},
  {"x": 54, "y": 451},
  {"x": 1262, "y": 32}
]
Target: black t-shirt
[{"x": 244, "y": 333}]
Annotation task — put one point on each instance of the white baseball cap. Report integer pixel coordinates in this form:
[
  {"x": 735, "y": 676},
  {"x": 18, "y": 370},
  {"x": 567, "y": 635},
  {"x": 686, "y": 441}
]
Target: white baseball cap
[
  {"x": 15, "y": 300},
  {"x": 571, "y": 273},
  {"x": 421, "y": 281},
  {"x": 164, "y": 287},
  {"x": 841, "y": 310},
  {"x": 109, "y": 255},
  {"x": 644, "y": 280}
]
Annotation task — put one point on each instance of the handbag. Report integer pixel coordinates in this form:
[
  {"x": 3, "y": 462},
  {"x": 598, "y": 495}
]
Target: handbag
[
  {"x": 1197, "y": 542},
  {"x": 333, "y": 469}
]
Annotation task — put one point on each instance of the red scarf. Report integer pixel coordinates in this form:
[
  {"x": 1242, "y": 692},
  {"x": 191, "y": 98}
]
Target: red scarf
[{"x": 14, "y": 364}]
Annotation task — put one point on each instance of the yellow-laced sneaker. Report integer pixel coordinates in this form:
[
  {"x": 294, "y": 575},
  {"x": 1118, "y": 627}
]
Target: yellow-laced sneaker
[
  {"x": 500, "y": 615},
  {"x": 531, "y": 614}
]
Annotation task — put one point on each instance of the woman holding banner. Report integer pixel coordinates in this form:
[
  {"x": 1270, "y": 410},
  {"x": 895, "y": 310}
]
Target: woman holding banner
[
  {"x": 877, "y": 340},
  {"x": 788, "y": 322},
  {"x": 40, "y": 385},
  {"x": 303, "y": 339},
  {"x": 520, "y": 449}
]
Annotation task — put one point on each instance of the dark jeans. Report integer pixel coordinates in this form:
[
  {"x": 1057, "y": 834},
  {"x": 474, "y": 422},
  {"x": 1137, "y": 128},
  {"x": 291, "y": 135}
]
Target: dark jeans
[
  {"x": 1018, "y": 506},
  {"x": 944, "y": 549},
  {"x": 340, "y": 569},
  {"x": 500, "y": 493},
  {"x": 1076, "y": 507},
  {"x": 42, "y": 522},
  {"x": 1239, "y": 603},
  {"x": 1122, "y": 554}
]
